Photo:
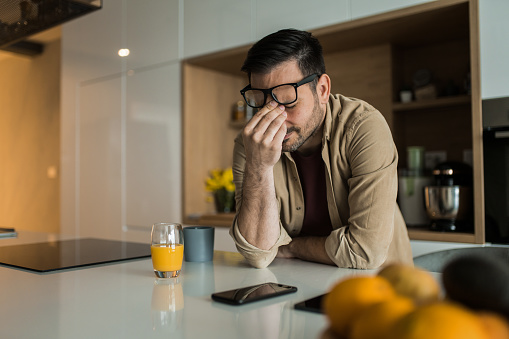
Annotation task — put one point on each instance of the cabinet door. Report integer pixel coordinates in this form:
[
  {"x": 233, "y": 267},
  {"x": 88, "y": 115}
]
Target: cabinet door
[
  {"x": 275, "y": 15},
  {"x": 151, "y": 32},
  {"x": 215, "y": 25},
  {"x": 363, "y": 8},
  {"x": 153, "y": 149},
  {"x": 494, "y": 34},
  {"x": 90, "y": 44},
  {"x": 99, "y": 184}
]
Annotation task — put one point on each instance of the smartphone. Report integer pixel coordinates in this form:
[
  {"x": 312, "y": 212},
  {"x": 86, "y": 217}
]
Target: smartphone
[
  {"x": 249, "y": 294},
  {"x": 311, "y": 305}
]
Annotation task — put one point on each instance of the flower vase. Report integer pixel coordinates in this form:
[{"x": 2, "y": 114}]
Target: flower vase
[{"x": 224, "y": 201}]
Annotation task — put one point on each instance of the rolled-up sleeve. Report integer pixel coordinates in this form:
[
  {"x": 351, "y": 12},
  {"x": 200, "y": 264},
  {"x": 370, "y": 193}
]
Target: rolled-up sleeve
[{"x": 255, "y": 256}]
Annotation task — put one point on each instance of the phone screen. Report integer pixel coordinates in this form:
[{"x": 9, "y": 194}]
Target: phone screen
[
  {"x": 253, "y": 293},
  {"x": 311, "y": 305}
]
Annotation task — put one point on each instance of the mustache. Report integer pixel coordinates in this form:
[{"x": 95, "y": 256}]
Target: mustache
[
  {"x": 293, "y": 129},
  {"x": 290, "y": 130}
]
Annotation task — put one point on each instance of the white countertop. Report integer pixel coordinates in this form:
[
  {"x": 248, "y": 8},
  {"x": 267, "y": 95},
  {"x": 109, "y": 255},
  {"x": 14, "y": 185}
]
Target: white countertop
[{"x": 123, "y": 301}]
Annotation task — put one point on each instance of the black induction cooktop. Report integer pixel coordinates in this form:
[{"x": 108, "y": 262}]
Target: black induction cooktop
[{"x": 64, "y": 254}]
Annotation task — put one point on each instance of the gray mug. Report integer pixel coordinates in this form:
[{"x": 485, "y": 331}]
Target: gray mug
[{"x": 198, "y": 243}]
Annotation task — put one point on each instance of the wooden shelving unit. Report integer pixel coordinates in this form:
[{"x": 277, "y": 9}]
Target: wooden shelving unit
[
  {"x": 425, "y": 234},
  {"x": 436, "y": 103},
  {"x": 370, "y": 58},
  {"x": 219, "y": 219}
]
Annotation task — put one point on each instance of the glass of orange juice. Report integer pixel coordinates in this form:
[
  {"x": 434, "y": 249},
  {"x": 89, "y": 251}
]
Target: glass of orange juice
[{"x": 167, "y": 249}]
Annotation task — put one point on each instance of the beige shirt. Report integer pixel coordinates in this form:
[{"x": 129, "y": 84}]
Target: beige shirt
[{"x": 362, "y": 183}]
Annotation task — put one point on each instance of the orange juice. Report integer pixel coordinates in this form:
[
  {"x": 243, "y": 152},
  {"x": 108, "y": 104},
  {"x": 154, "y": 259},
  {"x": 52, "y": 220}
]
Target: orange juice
[{"x": 167, "y": 258}]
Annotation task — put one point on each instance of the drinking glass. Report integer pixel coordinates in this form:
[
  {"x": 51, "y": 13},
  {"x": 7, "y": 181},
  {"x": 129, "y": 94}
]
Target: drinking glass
[{"x": 167, "y": 249}]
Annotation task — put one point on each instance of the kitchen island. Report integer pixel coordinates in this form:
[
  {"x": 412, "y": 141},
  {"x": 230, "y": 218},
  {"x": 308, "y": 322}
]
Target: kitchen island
[{"x": 125, "y": 300}]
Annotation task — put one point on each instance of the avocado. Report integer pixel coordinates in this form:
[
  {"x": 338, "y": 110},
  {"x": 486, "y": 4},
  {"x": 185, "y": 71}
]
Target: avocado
[{"x": 478, "y": 282}]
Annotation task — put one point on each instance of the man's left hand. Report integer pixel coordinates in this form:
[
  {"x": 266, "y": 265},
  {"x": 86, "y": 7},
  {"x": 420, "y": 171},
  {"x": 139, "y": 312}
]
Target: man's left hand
[{"x": 285, "y": 252}]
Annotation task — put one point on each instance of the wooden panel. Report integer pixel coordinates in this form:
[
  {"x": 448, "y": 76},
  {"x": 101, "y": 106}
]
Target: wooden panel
[
  {"x": 437, "y": 129},
  {"x": 364, "y": 74},
  {"x": 208, "y": 140},
  {"x": 477, "y": 127},
  {"x": 424, "y": 234},
  {"x": 30, "y": 141},
  {"x": 449, "y": 63}
]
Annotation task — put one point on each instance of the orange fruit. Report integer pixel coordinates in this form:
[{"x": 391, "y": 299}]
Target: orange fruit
[
  {"x": 377, "y": 320},
  {"x": 441, "y": 320},
  {"x": 348, "y": 298},
  {"x": 412, "y": 282},
  {"x": 495, "y": 325}
]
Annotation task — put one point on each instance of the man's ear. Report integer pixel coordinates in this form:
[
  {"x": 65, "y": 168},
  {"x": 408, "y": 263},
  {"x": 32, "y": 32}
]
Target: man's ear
[{"x": 323, "y": 88}]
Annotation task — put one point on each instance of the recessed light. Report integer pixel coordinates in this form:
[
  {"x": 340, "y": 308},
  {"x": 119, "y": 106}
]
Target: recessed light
[{"x": 123, "y": 52}]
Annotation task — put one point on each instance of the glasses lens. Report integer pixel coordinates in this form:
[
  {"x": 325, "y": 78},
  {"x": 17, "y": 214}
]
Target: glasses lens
[
  {"x": 285, "y": 94},
  {"x": 255, "y": 98}
]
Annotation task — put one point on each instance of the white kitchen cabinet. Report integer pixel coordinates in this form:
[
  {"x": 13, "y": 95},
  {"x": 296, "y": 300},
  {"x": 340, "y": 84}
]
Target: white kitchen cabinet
[
  {"x": 275, "y": 15},
  {"x": 364, "y": 8},
  {"x": 98, "y": 159},
  {"x": 151, "y": 32},
  {"x": 153, "y": 152},
  {"x": 91, "y": 43},
  {"x": 494, "y": 27},
  {"x": 216, "y": 25},
  {"x": 120, "y": 120}
]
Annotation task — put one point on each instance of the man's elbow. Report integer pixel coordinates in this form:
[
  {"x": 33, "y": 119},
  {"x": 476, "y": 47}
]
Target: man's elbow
[
  {"x": 364, "y": 261},
  {"x": 375, "y": 259},
  {"x": 259, "y": 261},
  {"x": 259, "y": 264}
]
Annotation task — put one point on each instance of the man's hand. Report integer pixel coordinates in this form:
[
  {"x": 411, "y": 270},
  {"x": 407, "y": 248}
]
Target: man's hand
[
  {"x": 285, "y": 252},
  {"x": 306, "y": 248},
  {"x": 263, "y": 137}
]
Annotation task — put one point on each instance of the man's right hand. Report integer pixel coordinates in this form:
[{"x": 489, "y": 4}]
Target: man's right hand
[{"x": 263, "y": 137}]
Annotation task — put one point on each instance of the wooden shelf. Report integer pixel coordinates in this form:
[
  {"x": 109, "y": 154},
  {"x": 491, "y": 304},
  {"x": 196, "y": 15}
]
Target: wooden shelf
[
  {"x": 237, "y": 124},
  {"x": 425, "y": 234},
  {"x": 437, "y": 103},
  {"x": 218, "y": 220},
  {"x": 415, "y": 233}
]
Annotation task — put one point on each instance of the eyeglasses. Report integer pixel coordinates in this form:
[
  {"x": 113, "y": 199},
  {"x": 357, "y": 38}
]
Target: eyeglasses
[{"x": 284, "y": 94}]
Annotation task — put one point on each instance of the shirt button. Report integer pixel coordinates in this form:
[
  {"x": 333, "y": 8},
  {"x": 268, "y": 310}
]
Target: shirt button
[{"x": 298, "y": 208}]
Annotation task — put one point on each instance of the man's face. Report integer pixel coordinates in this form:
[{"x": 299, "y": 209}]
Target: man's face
[{"x": 305, "y": 116}]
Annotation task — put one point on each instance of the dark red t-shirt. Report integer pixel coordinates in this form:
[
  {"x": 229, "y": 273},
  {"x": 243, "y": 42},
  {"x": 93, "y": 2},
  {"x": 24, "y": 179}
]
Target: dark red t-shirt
[{"x": 312, "y": 178}]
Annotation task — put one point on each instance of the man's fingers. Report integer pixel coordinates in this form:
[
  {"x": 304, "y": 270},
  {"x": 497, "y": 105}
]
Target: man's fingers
[
  {"x": 269, "y": 107},
  {"x": 266, "y": 124}
]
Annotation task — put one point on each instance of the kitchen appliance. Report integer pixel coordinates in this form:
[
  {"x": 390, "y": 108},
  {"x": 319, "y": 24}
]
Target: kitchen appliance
[
  {"x": 63, "y": 254},
  {"x": 411, "y": 199},
  {"x": 411, "y": 183},
  {"x": 449, "y": 201},
  {"x": 496, "y": 169},
  {"x": 21, "y": 18}
]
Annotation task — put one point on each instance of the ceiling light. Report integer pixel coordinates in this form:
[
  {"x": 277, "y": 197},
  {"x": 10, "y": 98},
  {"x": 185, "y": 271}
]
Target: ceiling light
[{"x": 123, "y": 52}]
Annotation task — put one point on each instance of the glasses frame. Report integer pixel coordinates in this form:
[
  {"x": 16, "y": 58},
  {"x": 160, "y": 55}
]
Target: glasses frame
[{"x": 268, "y": 91}]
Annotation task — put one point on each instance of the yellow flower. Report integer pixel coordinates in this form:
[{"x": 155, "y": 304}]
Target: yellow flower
[{"x": 220, "y": 179}]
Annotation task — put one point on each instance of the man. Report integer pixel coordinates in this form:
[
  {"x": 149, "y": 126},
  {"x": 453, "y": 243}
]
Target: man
[{"x": 315, "y": 173}]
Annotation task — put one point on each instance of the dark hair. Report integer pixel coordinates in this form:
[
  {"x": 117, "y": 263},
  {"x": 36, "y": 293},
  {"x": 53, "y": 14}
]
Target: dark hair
[{"x": 282, "y": 46}]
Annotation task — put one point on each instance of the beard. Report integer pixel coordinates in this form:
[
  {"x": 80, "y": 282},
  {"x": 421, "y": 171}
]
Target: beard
[{"x": 307, "y": 132}]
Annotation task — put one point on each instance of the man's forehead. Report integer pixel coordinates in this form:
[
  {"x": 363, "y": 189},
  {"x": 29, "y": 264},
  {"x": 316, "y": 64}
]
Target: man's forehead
[{"x": 287, "y": 72}]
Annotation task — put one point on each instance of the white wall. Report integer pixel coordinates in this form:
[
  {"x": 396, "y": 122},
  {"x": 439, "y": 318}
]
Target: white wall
[
  {"x": 121, "y": 124},
  {"x": 494, "y": 38}
]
